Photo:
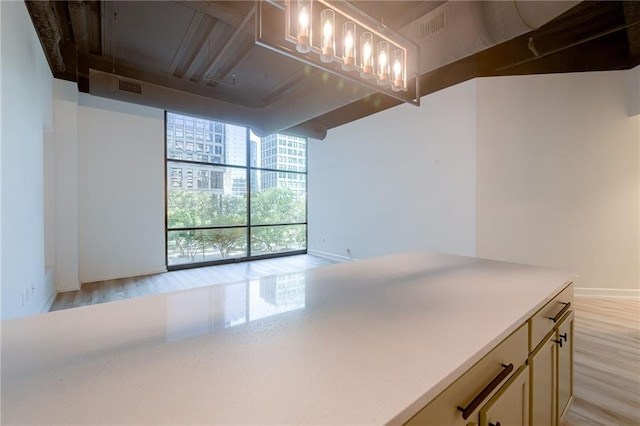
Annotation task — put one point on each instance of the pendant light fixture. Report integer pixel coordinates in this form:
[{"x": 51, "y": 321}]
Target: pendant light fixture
[{"x": 341, "y": 39}]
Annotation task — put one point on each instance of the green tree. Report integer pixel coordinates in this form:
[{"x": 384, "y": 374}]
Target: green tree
[
  {"x": 277, "y": 205},
  {"x": 273, "y": 206},
  {"x": 197, "y": 208},
  {"x": 225, "y": 240}
]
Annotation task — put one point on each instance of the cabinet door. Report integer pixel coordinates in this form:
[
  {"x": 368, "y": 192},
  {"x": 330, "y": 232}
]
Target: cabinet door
[
  {"x": 510, "y": 406},
  {"x": 565, "y": 365},
  {"x": 542, "y": 365}
]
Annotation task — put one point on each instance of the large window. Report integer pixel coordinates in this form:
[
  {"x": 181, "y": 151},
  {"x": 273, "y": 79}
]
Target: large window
[{"x": 232, "y": 195}]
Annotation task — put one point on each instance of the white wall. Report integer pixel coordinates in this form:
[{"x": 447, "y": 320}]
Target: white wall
[
  {"x": 556, "y": 181},
  {"x": 402, "y": 179},
  {"x": 558, "y": 176},
  {"x": 26, "y": 97},
  {"x": 65, "y": 158},
  {"x": 121, "y": 189}
]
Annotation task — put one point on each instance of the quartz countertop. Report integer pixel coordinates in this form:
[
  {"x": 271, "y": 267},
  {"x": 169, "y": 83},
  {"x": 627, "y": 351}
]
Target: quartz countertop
[{"x": 365, "y": 342}]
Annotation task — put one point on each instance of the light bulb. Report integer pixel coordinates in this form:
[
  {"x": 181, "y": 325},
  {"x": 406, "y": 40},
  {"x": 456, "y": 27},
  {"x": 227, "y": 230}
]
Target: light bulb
[
  {"x": 398, "y": 74},
  {"x": 303, "y": 43},
  {"x": 348, "y": 42},
  {"x": 303, "y": 19},
  {"x": 366, "y": 52},
  {"x": 348, "y": 53},
  {"x": 327, "y": 31},
  {"x": 397, "y": 69},
  {"x": 383, "y": 59},
  {"x": 366, "y": 47},
  {"x": 327, "y": 18}
]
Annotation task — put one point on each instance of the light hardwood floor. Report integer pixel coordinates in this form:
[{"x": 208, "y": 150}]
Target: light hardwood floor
[
  {"x": 606, "y": 342},
  {"x": 126, "y": 288},
  {"x": 606, "y": 363}
]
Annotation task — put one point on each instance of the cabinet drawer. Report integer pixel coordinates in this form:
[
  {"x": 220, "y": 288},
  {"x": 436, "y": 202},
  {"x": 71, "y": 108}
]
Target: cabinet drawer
[
  {"x": 443, "y": 410},
  {"x": 549, "y": 316}
]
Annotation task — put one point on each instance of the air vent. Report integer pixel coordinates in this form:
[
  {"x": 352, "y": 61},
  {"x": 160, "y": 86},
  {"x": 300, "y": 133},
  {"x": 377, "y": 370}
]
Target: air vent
[
  {"x": 130, "y": 86},
  {"x": 431, "y": 26}
]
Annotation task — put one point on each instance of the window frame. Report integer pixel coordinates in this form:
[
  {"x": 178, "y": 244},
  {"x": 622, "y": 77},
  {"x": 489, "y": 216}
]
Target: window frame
[{"x": 250, "y": 171}]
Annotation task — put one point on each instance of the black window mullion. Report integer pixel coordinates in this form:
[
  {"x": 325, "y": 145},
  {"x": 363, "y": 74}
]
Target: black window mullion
[{"x": 248, "y": 156}]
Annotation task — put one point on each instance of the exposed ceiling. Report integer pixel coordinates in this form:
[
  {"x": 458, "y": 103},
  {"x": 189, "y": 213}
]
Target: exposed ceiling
[{"x": 200, "y": 57}]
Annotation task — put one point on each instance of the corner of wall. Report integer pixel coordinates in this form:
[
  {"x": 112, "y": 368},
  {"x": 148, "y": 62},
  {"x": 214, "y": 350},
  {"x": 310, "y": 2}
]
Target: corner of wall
[
  {"x": 633, "y": 91},
  {"x": 1, "y": 127},
  {"x": 65, "y": 185}
]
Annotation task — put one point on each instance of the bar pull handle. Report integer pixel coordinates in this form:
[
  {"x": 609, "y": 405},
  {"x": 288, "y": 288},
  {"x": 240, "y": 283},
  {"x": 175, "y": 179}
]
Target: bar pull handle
[
  {"x": 564, "y": 337},
  {"x": 559, "y": 342},
  {"x": 560, "y": 314},
  {"x": 475, "y": 403},
  {"x": 494, "y": 424}
]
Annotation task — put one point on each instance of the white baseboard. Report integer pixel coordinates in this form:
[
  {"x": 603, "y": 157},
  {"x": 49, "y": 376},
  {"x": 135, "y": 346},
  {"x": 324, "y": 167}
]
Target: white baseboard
[
  {"x": 609, "y": 293},
  {"x": 46, "y": 306},
  {"x": 329, "y": 256},
  {"x": 50, "y": 284}
]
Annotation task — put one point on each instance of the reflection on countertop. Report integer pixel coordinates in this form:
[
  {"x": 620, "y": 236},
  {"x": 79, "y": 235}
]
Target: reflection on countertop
[{"x": 194, "y": 312}]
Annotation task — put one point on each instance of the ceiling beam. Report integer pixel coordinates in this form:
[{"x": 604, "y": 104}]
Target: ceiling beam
[
  {"x": 45, "y": 21},
  {"x": 240, "y": 28}
]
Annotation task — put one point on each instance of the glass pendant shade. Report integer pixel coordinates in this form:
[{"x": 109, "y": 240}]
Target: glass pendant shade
[
  {"x": 328, "y": 24},
  {"x": 383, "y": 63},
  {"x": 398, "y": 71},
  {"x": 349, "y": 46},
  {"x": 366, "y": 52},
  {"x": 304, "y": 10}
]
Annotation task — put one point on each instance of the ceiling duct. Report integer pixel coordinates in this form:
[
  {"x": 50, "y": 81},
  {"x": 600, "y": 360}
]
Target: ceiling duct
[
  {"x": 263, "y": 121},
  {"x": 458, "y": 29}
]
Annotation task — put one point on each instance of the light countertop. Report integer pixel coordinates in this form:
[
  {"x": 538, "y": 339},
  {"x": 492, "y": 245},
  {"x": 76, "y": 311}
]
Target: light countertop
[{"x": 365, "y": 342}]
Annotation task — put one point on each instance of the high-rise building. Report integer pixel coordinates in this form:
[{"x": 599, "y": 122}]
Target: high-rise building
[
  {"x": 198, "y": 139},
  {"x": 284, "y": 291},
  {"x": 287, "y": 154},
  {"x": 235, "y": 149}
]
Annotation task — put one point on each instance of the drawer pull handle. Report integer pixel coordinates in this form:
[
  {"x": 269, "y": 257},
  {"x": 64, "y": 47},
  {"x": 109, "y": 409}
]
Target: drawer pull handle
[
  {"x": 559, "y": 342},
  {"x": 561, "y": 313},
  {"x": 564, "y": 337},
  {"x": 466, "y": 411},
  {"x": 494, "y": 424}
]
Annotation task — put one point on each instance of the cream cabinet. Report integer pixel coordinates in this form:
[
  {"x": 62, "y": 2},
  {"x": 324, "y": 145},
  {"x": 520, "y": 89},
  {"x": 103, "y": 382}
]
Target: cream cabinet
[
  {"x": 526, "y": 380},
  {"x": 564, "y": 334},
  {"x": 510, "y": 406},
  {"x": 542, "y": 367},
  {"x": 460, "y": 403},
  {"x": 551, "y": 361}
]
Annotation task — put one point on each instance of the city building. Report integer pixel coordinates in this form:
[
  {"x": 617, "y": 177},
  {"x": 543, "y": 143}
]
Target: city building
[
  {"x": 196, "y": 139},
  {"x": 284, "y": 152}
]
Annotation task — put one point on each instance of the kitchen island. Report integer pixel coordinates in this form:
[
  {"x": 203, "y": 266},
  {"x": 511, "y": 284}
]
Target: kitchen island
[{"x": 366, "y": 342}]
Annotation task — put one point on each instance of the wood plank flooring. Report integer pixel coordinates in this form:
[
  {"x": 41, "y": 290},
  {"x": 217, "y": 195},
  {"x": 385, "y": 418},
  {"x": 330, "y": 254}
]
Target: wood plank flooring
[
  {"x": 126, "y": 288},
  {"x": 606, "y": 342},
  {"x": 606, "y": 363}
]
